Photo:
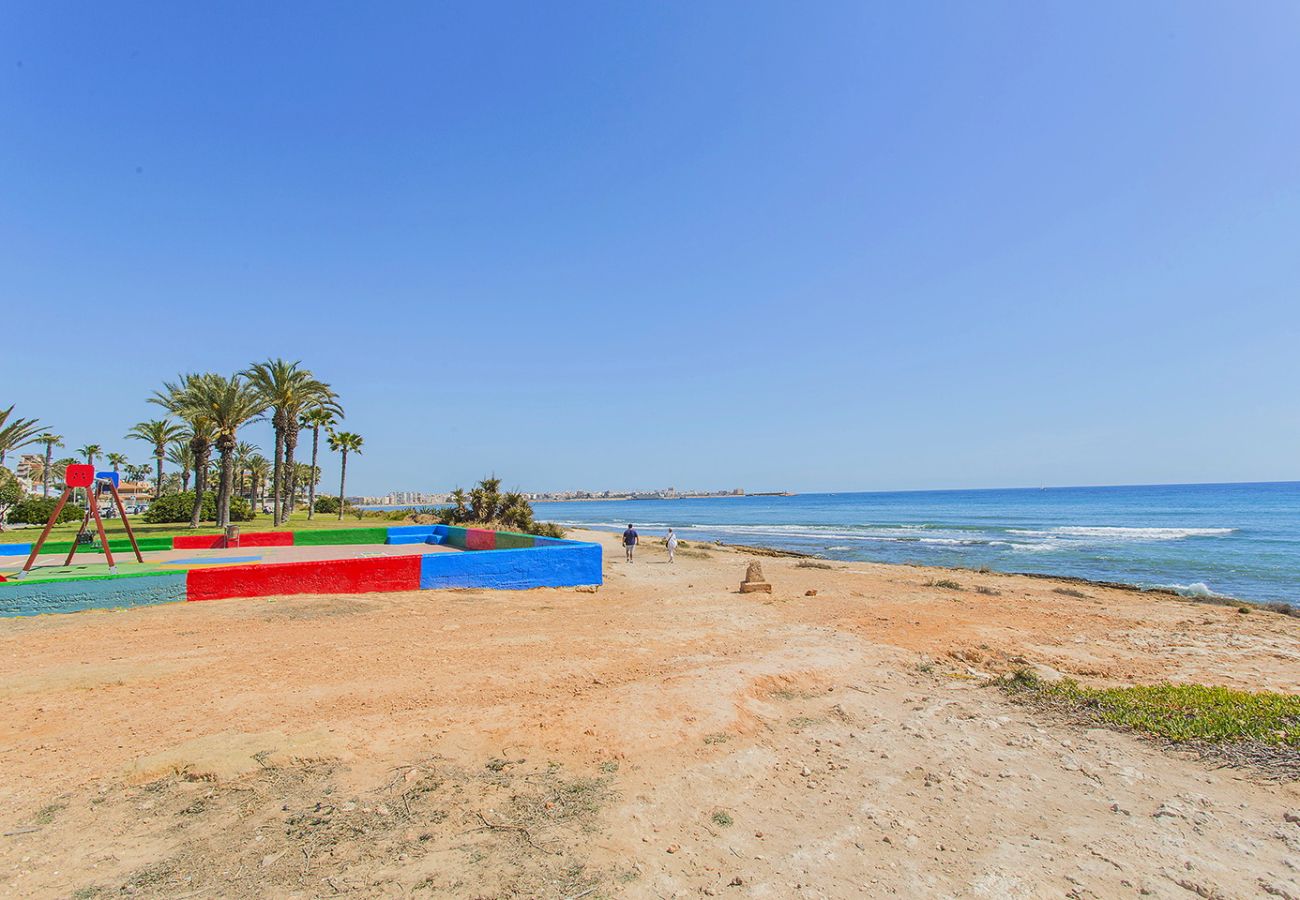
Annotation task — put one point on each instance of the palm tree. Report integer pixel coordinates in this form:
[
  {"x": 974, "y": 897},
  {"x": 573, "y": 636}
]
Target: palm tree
[
  {"x": 459, "y": 498},
  {"x": 315, "y": 419},
  {"x": 60, "y": 467},
  {"x": 344, "y": 442},
  {"x": 50, "y": 440},
  {"x": 181, "y": 456},
  {"x": 116, "y": 460},
  {"x": 176, "y": 397},
  {"x": 243, "y": 454},
  {"x": 158, "y": 433},
  {"x": 259, "y": 467},
  {"x": 288, "y": 390},
  {"x": 18, "y": 433},
  {"x": 92, "y": 452},
  {"x": 228, "y": 404},
  {"x": 304, "y": 476}
]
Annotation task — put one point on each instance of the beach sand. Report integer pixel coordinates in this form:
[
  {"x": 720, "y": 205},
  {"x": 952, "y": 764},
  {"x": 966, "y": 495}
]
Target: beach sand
[{"x": 665, "y": 736}]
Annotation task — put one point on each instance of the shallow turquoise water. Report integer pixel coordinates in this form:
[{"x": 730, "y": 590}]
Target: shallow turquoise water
[{"x": 1240, "y": 540}]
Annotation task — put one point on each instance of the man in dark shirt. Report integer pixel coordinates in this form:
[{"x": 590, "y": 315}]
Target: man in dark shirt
[{"x": 629, "y": 541}]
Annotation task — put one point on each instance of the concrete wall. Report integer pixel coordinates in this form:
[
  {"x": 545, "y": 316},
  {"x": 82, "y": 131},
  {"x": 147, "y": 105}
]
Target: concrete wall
[
  {"x": 493, "y": 560},
  {"x": 562, "y": 566},
  {"x": 34, "y": 598}
]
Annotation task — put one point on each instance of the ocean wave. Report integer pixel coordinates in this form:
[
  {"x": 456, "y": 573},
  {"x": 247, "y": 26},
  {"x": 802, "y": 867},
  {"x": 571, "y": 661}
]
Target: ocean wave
[
  {"x": 1123, "y": 533},
  {"x": 1195, "y": 589}
]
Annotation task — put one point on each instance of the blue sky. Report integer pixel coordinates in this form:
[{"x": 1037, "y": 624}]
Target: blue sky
[{"x": 772, "y": 245}]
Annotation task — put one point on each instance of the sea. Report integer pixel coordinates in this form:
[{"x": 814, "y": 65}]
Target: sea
[{"x": 1233, "y": 540}]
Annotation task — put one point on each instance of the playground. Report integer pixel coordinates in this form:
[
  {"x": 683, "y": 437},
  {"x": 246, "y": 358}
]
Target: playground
[{"x": 67, "y": 576}]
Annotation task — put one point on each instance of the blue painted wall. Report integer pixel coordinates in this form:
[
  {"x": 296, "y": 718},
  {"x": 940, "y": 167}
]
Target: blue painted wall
[
  {"x": 35, "y": 597},
  {"x": 569, "y": 565},
  {"x": 15, "y": 549}
]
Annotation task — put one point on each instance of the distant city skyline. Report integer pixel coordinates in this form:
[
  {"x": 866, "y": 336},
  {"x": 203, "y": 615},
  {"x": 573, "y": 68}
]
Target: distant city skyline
[{"x": 851, "y": 247}]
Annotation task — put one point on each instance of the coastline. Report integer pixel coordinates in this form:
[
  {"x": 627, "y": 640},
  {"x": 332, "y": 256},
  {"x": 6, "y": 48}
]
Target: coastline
[
  {"x": 667, "y": 726},
  {"x": 1279, "y": 607}
]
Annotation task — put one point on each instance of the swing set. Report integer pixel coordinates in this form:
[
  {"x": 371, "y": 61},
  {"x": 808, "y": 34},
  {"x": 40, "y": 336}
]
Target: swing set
[{"x": 80, "y": 475}]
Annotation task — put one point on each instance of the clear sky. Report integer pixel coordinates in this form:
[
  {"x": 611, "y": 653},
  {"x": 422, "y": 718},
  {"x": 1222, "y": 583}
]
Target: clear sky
[{"x": 772, "y": 245}]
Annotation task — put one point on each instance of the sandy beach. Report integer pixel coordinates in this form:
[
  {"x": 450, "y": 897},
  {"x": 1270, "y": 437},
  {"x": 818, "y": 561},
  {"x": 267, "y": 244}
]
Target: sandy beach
[{"x": 665, "y": 736}]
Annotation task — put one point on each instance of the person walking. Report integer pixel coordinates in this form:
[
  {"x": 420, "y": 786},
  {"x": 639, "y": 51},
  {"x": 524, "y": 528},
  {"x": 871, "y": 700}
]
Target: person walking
[
  {"x": 629, "y": 541},
  {"x": 672, "y": 545}
]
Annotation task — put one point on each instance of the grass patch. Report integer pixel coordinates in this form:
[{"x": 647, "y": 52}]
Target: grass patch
[
  {"x": 800, "y": 722},
  {"x": 987, "y": 591},
  {"x": 45, "y": 815},
  {"x": 723, "y": 819},
  {"x": 812, "y": 564},
  {"x": 718, "y": 737},
  {"x": 1260, "y": 729},
  {"x": 946, "y": 583},
  {"x": 1070, "y": 592}
]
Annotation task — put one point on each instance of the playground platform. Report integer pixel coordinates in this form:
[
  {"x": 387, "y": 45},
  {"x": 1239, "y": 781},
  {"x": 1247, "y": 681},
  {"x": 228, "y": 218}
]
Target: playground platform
[{"x": 335, "y": 561}]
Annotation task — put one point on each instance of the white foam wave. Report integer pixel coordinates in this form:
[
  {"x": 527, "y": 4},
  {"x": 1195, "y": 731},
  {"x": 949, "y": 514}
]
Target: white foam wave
[
  {"x": 1195, "y": 589},
  {"x": 1123, "y": 533}
]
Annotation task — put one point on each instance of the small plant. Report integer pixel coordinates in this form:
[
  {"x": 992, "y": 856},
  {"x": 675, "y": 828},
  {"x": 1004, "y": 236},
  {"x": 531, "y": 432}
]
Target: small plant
[
  {"x": 925, "y": 666},
  {"x": 799, "y": 723},
  {"x": 45, "y": 815},
  {"x": 718, "y": 737},
  {"x": 723, "y": 819},
  {"x": 1070, "y": 592},
  {"x": 987, "y": 591},
  {"x": 1176, "y": 712},
  {"x": 946, "y": 583},
  {"x": 812, "y": 564},
  {"x": 609, "y": 767}
]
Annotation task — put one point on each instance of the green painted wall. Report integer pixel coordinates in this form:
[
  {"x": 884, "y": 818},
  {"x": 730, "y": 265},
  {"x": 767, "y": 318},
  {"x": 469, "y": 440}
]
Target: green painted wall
[
  {"x": 340, "y": 536},
  {"x": 509, "y": 540}
]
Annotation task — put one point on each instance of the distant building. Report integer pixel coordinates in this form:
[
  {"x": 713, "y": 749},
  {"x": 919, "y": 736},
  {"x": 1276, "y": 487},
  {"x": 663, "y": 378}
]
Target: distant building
[{"x": 28, "y": 465}]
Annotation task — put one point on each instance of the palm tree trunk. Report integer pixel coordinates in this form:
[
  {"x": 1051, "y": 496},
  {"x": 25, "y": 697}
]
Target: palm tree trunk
[
  {"x": 185, "y": 480},
  {"x": 227, "y": 484},
  {"x": 158, "y": 457},
  {"x": 343, "y": 480},
  {"x": 311, "y": 482},
  {"x": 291, "y": 471},
  {"x": 221, "y": 488},
  {"x": 200, "y": 473},
  {"x": 45, "y": 475},
  {"x": 277, "y": 475}
]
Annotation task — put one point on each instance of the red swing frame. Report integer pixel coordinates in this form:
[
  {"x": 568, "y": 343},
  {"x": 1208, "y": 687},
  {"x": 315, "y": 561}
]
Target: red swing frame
[{"x": 81, "y": 475}]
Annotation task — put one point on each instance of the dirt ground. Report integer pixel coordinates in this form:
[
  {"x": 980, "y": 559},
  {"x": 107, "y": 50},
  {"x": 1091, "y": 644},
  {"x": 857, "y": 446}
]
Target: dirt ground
[{"x": 663, "y": 737}]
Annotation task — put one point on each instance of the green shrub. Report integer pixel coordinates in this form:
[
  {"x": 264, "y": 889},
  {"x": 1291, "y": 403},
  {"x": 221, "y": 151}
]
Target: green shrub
[
  {"x": 328, "y": 504},
  {"x": 488, "y": 508},
  {"x": 36, "y": 511},
  {"x": 176, "y": 508},
  {"x": 11, "y": 491}
]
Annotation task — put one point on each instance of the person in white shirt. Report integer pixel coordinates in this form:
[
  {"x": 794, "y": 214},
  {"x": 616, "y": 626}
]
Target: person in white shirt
[{"x": 672, "y": 544}]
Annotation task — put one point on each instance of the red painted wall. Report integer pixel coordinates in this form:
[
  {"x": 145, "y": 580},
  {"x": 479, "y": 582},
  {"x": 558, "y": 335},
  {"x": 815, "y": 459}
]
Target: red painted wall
[
  {"x": 217, "y": 541},
  {"x": 198, "y": 541},
  {"x": 267, "y": 539},
  {"x": 334, "y": 576},
  {"x": 478, "y": 539}
]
